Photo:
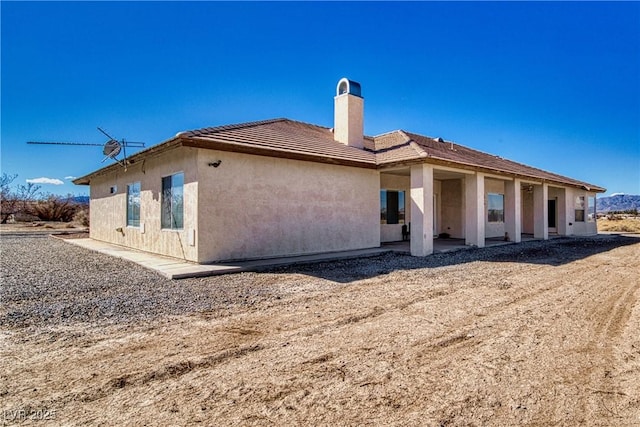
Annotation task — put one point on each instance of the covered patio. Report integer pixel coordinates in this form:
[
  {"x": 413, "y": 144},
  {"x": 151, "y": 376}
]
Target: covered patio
[{"x": 446, "y": 208}]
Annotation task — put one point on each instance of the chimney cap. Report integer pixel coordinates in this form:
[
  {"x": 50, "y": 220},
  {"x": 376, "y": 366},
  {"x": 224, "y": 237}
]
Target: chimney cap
[{"x": 348, "y": 86}]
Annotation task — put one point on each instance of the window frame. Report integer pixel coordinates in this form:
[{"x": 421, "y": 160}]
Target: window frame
[
  {"x": 400, "y": 212},
  {"x": 579, "y": 209},
  {"x": 131, "y": 217},
  {"x": 170, "y": 223},
  {"x": 499, "y": 219},
  {"x": 591, "y": 208}
]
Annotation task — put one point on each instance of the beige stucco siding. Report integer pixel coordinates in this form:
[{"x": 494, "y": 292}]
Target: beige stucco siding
[
  {"x": 255, "y": 207},
  {"x": 565, "y": 205},
  {"x": 109, "y": 211},
  {"x": 579, "y": 228},
  {"x": 452, "y": 208},
  {"x": 527, "y": 212},
  {"x": 260, "y": 207}
]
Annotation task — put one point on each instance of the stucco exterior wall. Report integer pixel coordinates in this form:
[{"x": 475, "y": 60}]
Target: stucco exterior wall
[
  {"x": 109, "y": 211},
  {"x": 260, "y": 207},
  {"x": 579, "y": 228},
  {"x": 492, "y": 229},
  {"x": 527, "y": 212},
  {"x": 452, "y": 208}
]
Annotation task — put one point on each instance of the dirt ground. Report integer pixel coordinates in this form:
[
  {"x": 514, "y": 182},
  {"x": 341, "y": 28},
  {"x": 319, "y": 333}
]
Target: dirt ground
[{"x": 518, "y": 340}]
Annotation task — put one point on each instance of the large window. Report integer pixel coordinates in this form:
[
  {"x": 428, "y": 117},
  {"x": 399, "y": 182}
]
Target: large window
[
  {"x": 392, "y": 207},
  {"x": 172, "y": 201},
  {"x": 495, "y": 207},
  {"x": 133, "y": 205},
  {"x": 579, "y": 209},
  {"x": 591, "y": 216}
]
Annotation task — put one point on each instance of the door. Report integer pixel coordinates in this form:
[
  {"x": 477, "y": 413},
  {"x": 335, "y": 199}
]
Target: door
[{"x": 552, "y": 215}]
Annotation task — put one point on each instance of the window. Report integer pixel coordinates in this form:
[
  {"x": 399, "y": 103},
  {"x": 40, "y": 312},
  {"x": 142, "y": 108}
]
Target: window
[
  {"x": 172, "y": 201},
  {"x": 392, "y": 207},
  {"x": 591, "y": 216},
  {"x": 579, "y": 209},
  {"x": 495, "y": 207},
  {"x": 133, "y": 205},
  {"x": 113, "y": 189}
]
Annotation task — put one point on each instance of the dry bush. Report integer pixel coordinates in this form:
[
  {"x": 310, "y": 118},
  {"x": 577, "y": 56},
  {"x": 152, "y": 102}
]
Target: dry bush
[
  {"x": 82, "y": 216},
  {"x": 620, "y": 225},
  {"x": 55, "y": 208},
  {"x": 15, "y": 201}
]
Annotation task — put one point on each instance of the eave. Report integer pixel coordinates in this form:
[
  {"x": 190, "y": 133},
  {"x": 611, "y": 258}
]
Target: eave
[
  {"x": 212, "y": 144},
  {"x": 131, "y": 160},
  {"x": 483, "y": 169}
]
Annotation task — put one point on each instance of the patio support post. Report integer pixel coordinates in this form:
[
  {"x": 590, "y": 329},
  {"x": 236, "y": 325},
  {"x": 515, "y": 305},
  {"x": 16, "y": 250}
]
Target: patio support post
[
  {"x": 540, "y": 211},
  {"x": 474, "y": 210},
  {"x": 513, "y": 210},
  {"x": 421, "y": 210}
]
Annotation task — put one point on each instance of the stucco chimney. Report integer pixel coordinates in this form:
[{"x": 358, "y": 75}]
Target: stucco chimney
[{"x": 349, "y": 114}]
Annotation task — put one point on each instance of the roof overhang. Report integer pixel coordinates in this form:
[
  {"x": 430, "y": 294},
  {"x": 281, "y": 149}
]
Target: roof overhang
[
  {"x": 213, "y": 144},
  {"x": 131, "y": 160},
  {"x": 475, "y": 168}
]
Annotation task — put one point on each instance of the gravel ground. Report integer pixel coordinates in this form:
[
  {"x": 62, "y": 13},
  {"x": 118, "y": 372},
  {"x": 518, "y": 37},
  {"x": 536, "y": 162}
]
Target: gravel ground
[{"x": 46, "y": 281}]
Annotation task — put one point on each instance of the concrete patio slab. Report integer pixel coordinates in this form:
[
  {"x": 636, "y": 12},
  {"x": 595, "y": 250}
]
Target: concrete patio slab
[{"x": 174, "y": 268}]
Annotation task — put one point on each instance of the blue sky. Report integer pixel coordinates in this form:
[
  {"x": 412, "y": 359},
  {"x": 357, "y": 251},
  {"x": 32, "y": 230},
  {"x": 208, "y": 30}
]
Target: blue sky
[{"x": 552, "y": 85}]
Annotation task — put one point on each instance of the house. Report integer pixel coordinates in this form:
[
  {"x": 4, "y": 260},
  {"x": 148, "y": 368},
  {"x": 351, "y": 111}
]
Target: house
[{"x": 281, "y": 187}]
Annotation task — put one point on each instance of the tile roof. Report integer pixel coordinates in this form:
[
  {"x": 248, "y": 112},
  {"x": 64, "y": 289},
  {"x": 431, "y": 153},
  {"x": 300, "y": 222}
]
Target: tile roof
[
  {"x": 303, "y": 141},
  {"x": 447, "y": 151},
  {"x": 280, "y": 135}
]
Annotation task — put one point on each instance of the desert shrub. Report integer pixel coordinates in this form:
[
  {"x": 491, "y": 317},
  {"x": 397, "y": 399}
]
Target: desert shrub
[
  {"x": 14, "y": 202},
  {"x": 55, "y": 208},
  {"x": 82, "y": 216}
]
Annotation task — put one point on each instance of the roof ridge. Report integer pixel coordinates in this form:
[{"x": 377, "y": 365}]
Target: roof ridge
[
  {"x": 387, "y": 133},
  {"x": 413, "y": 144},
  {"x": 215, "y": 129},
  {"x": 306, "y": 124},
  {"x": 371, "y": 137},
  {"x": 234, "y": 126},
  {"x": 455, "y": 144},
  {"x": 432, "y": 138},
  {"x": 405, "y": 134}
]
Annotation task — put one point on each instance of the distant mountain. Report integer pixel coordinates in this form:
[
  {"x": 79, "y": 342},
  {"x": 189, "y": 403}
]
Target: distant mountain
[
  {"x": 619, "y": 202},
  {"x": 81, "y": 199}
]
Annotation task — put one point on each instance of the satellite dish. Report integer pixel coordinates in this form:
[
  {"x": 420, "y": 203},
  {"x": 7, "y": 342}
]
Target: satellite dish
[{"x": 111, "y": 149}]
